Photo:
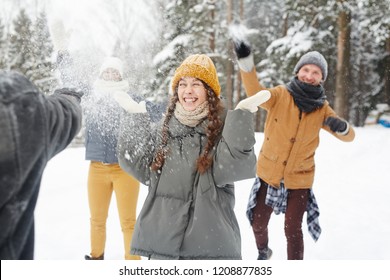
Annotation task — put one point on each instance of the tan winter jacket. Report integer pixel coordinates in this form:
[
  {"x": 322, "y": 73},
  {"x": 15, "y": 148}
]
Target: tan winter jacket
[{"x": 290, "y": 137}]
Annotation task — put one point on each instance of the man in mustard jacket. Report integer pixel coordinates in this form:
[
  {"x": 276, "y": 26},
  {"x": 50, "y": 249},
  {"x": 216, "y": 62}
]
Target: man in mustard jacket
[{"x": 285, "y": 167}]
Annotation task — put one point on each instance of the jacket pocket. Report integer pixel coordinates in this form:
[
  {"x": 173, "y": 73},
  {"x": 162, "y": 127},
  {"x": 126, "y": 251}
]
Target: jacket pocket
[
  {"x": 267, "y": 164},
  {"x": 269, "y": 156},
  {"x": 161, "y": 225},
  {"x": 305, "y": 165}
]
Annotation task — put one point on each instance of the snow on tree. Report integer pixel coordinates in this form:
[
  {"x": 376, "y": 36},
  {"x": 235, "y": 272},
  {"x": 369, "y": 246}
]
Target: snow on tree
[
  {"x": 154, "y": 39},
  {"x": 30, "y": 50},
  {"x": 186, "y": 30},
  {"x": 20, "y": 49},
  {"x": 2, "y": 46},
  {"x": 42, "y": 73}
]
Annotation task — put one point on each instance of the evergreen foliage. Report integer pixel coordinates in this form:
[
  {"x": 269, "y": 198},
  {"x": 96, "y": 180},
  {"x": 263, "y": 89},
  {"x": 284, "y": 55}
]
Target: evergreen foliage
[
  {"x": 279, "y": 31},
  {"x": 2, "y": 46},
  {"x": 42, "y": 50},
  {"x": 186, "y": 31},
  {"x": 21, "y": 49},
  {"x": 30, "y": 50}
]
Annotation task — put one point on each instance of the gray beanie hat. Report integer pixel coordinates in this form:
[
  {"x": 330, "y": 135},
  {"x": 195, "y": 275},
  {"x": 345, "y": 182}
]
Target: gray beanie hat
[{"x": 315, "y": 58}]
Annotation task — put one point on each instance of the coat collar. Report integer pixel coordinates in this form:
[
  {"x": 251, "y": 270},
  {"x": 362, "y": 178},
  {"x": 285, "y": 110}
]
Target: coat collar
[{"x": 177, "y": 129}]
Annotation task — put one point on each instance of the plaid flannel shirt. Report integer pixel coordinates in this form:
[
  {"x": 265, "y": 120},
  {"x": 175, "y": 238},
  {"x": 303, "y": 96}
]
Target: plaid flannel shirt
[{"x": 277, "y": 199}]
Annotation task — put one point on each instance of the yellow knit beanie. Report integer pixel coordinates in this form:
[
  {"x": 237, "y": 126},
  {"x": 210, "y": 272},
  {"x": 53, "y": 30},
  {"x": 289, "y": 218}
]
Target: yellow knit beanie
[{"x": 198, "y": 66}]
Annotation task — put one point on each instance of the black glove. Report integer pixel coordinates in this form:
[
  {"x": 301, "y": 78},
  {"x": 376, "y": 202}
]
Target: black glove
[
  {"x": 70, "y": 91},
  {"x": 335, "y": 124},
  {"x": 242, "y": 49}
]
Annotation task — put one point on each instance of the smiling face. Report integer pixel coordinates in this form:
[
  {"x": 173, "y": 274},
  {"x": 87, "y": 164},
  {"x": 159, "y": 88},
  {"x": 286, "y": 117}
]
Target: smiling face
[
  {"x": 191, "y": 93},
  {"x": 111, "y": 74},
  {"x": 310, "y": 74}
]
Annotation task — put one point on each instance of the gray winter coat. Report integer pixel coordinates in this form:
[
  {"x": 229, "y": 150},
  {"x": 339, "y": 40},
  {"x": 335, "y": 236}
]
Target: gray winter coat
[
  {"x": 33, "y": 129},
  {"x": 187, "y": 215}
]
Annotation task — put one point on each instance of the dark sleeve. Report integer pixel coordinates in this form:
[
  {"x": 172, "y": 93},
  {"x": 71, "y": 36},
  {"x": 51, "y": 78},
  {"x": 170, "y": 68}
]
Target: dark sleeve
[
  {"x": 64, "y": 121},
  {"x": 348, "y": 136},
  {"x": 155, "y": 110}
]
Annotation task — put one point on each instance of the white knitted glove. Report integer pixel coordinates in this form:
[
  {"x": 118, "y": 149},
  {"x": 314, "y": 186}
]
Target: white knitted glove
[
  {"x": 242, "y": 47},
  {"x": 251, "y": 103},
  {"x": 246, "y": 64},
  {"x": 126, "y": 102}
]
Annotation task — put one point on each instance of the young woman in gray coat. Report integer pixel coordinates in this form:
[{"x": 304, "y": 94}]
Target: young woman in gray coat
[{"x": 190, "y": 163}]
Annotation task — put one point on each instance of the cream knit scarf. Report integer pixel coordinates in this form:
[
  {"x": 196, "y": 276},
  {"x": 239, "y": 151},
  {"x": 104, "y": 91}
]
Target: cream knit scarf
[
  {"x": 108, "y": 87},
  {"x": 191, "y": 118}
]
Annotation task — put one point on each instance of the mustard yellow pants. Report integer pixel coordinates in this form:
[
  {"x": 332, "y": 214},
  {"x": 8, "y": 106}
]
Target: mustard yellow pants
[{"x": 103, "y": 179}]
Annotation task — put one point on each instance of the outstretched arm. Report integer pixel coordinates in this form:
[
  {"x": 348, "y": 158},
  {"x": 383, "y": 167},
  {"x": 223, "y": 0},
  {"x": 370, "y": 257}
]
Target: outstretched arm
[
  {"x": 247, "y": 67},
  {"x": 235, "y": 159},
  {"x": 126, "y": 102},
  {"x": 137, "y": 138},
  {"x": 136, "y": 104},
  {"x": 64, "y": 118},
  {"x": 338, "y": 127},
  {"x": 251, "y": 103}
]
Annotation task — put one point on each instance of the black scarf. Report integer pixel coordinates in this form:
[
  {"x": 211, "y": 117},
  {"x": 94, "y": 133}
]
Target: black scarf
[{"x": 307, "y": 97}]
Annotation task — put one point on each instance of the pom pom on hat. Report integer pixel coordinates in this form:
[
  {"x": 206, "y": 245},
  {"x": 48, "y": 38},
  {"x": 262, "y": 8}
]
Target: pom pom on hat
[
  {"x": 198, "y": 66},
  {"x": 112, "y": 62},
  {"x": 315, "y": 58}
]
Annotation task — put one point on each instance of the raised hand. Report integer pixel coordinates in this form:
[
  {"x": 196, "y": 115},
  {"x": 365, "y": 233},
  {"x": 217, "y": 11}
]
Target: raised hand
[
  {"x": 242, "y": 49},
  {"x": 244, "y": 55},
  {"x": 251, "y": 103},
  {"x": 126, "y": 102}
]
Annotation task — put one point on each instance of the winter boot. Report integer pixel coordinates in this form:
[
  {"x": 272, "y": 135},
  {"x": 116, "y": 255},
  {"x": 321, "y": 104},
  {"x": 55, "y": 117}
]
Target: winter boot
[
  {"x": 265, "y": 254},
  {"x": 89, "y": 258}
]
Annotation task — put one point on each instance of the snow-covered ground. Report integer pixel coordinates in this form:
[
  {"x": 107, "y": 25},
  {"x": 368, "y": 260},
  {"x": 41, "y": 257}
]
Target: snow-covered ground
[{"x": 351, "y": 186}]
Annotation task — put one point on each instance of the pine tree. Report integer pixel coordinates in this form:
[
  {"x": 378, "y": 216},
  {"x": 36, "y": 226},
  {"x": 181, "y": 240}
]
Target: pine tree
[
  {"x": 2, "y": 46},
  {"x": 259, "y": 17},
  {"x": 377, "y": 22},
  {"x": 185, "y": 32},
  {"x": 134, "y": 45},
  {"x": 370, "y": 31},
  {"x": 20, "y": 48},
  {"x": 172, "y": 46},
  {"x": 364, "y": 78},
  {"x": 309, "y": 25},
  {"x": 42, "y": 73}
]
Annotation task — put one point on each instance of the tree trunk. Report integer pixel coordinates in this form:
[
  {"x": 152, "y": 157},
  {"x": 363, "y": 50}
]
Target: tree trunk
[
  {"x": 212, "y": 34},
  {"x": 343, "y": 65},
  {"x": 387, "y": 72},
  {"x": 229, "y": 62},
  {"x": 359, "y": 110},
  {"x": 238, "y": 75},
  {"x": 285, "y": 24}
]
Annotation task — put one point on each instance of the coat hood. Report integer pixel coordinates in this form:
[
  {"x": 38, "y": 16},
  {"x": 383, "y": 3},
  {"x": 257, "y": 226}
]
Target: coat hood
[{"x": 13, "y": 85}]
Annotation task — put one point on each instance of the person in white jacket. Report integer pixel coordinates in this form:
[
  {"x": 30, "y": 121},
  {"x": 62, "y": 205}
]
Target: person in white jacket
[{"x": 105, "y": 176}]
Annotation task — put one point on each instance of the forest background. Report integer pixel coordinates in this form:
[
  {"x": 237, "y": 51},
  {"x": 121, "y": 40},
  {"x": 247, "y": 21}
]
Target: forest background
[{"x": 62, "y": 43}]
